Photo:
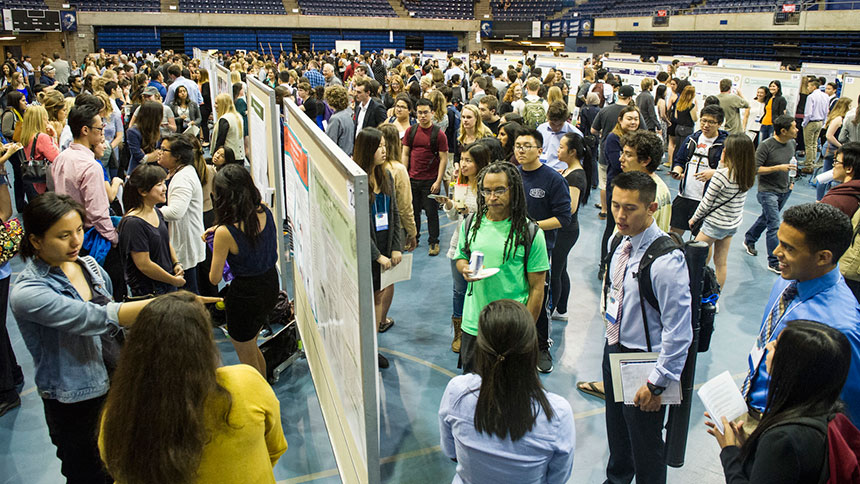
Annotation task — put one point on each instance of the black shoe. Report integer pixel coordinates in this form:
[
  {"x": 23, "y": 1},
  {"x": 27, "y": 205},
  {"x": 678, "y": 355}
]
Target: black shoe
[
  {"x": 383, "y": 361},
  {"x": 19, "y": 376},
  {"x": 544, "y": 364},
  {"x": 774, "y": 269},
  {"x": 750, "y": 249},
  {"x": 266, "y": 331},
  {"x": 600, "y": 273},
  {"x": 6, "y": 406}
]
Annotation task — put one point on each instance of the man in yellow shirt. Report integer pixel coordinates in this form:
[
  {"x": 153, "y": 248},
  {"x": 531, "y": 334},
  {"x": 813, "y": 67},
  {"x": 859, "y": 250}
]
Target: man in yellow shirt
[{"x": 643, "y": 151}]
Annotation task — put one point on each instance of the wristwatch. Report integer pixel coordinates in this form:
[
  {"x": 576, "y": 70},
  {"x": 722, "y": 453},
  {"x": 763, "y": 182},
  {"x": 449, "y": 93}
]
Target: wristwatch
[{"x": 655, "y": 390}]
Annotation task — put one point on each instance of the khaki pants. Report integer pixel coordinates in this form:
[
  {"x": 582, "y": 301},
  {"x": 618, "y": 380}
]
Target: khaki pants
[{"x": 810, "y": 139}]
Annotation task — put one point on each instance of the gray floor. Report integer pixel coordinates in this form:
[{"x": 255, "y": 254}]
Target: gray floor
[{"x": 422, "y": 363}]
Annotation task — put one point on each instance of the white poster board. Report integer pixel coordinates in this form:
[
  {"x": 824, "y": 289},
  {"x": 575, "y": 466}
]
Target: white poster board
[
  {"x": 749, "y": 64},
  {"x": 327, "y": 200},
  {"x": 503, "y": 61},
  {"x": 706, "y": 81},
  {"x": 633, "y": 73},
  {"x": 440, "y": 56},
  {"x": 571, "y": 68},
  {"x": 623, "y": 57},
  {"x": 347, "y": 45},
  {"x": 840, "y": 69},
  {"x": 851, "y": 88},
  {"x": 222, "y": 82}
]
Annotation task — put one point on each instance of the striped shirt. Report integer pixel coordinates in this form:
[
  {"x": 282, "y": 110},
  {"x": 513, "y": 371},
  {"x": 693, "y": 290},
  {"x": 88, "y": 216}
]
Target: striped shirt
[{"x": 720, "y": 192}]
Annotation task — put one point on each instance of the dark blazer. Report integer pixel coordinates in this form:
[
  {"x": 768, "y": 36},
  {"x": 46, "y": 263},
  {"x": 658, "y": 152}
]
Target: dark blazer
[
  {"x": 779, "y": 106},
  {"x": 374, "y": 117}
]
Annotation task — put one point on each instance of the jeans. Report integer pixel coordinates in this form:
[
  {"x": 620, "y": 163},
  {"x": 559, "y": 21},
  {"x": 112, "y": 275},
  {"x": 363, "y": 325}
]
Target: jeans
[
  {"x": 459, "y": 290},
  {"x": 771, "y": 206},
  {"x": 822, "y": 188},
  {"x": 765, "y": 132},
  {"x": 73, "y": 427},
  {"x": 420, "y": 190},
  {"x": 543, "y": 322},
  {"x": 191, "y": 280},
  {"x": 635, "y": 437},
  {"x": 18, "y": 182},
  {"x": 559, "y": 279}
]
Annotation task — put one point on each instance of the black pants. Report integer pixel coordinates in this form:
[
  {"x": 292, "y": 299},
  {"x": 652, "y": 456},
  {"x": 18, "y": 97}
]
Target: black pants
[
  {"x": 420, "y": 190},
  {"x": 18, "y": 182},
  {"x": 73, "y": 427},
  {"x": 635, "y": 437},
  {"x": 559, "y": 279},
  {"x": 542, "y": 323},
  {"x": 609, "y": 229},
  {"x": 10, "y": 372}
]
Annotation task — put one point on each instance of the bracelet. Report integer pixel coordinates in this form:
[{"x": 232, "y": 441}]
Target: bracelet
[{"x": 177, "y": 263}]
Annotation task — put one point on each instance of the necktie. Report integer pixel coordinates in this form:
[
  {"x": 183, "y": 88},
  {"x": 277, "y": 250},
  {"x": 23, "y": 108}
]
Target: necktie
[
  {"x": 788, "y": 294},
  {"x": 618, "y": 272}
]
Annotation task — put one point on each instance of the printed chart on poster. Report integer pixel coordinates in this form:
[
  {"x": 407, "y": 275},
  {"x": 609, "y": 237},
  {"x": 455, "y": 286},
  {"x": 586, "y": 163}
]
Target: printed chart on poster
[
  {"x": 334, "y": 300},
  {"x": 441, "y": 57},
  {"x": 851, "y": 88},
  {"x": 222, "y": 81},
  {"x": 632, "y": 73},
  {"x": 749, "y": 64},
  {"x": 257, "y": 133},
  {"x": 263, "y": 127}
]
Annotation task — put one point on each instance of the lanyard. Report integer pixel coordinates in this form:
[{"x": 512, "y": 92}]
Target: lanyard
[{"x": 385, "y": 203}]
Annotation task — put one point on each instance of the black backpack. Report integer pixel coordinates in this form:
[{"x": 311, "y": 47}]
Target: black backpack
[
  {"x": 660, "y": 247},
  {"x": 434, "y": 138},
  {"x": 531, "y": 231}
]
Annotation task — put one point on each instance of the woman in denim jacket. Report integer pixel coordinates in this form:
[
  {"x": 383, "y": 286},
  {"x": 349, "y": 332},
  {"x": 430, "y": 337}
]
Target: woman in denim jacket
[{"x": 63, "y": 307}]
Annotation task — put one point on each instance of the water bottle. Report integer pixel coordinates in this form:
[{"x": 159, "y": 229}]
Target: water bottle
[{"x": 792, "y": 171}]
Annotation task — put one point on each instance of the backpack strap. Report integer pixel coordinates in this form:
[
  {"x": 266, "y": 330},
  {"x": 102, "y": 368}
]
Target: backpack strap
[
  {"x": 531, "y": 232},
  {"x": 660, "y": 247},
  {"x": 616, "y": 241},
  {"x": 434, "y": 138}
]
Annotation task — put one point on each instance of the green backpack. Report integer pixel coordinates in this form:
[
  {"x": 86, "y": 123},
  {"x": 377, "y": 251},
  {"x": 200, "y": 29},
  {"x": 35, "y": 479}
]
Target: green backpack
[{"x": 534, "y": 114}]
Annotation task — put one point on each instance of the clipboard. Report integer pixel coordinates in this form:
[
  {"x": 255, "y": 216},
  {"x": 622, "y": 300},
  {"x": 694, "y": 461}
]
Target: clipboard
[
  {"x": 400, "y": 272},
  {"x": 630, "y": 371}
]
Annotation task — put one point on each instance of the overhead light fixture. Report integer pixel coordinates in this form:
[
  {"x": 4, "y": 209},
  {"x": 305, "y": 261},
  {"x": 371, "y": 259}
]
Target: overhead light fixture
[
  {"x": 411, "y": 14},
  {"x": 555, "y": 44},
  {"x": 173, "y": 7},
  {"x": 66, "y": 5},
  {"x": 7, "y": 38},
  {"x": 486, "y": 15},
  {"x": 295, "y": 10}
]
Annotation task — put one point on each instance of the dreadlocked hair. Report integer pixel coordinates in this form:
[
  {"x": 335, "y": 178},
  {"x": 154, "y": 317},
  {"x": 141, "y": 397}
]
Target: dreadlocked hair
[{"x": 519, "y": 214}]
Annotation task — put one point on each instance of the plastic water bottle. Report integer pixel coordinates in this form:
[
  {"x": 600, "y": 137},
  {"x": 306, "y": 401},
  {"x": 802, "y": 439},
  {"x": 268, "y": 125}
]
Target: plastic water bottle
[{"x": 792, "y": 171}]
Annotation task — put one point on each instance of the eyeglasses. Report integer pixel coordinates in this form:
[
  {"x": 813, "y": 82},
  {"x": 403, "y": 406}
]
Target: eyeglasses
[
  {"x": 423, "y": 113},
  {"x": 99, "y": 128},
  {"x": 837, "y": 162},
  {"x": 524, "y": 147},
  {"x": 398, "y": 106},
  {"x": 497, "y": 192},
  {"x": 709, "y": 122}
]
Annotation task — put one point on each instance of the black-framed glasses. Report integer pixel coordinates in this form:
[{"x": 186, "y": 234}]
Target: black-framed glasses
[
  {"x": 497, "y": 192},
  {"x": 100, "y": 128},
  {"x": 524, "y": 147}
]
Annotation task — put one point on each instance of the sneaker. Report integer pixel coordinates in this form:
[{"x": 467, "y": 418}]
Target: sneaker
[
  {"x": 544, "y": 361},
  {"x": 774, "y": 269},
  {"x": 383, "y": 361},
  {"x": 434, "y": 250},
  {"x": 559, "y": 316},
  {"x": 6, "y": 406},
  {"x": 750, "y": 249}
]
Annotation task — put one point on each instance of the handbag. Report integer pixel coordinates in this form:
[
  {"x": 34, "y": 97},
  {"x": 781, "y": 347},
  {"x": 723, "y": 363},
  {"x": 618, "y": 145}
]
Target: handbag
[
  {"x": 697, "y": 225},
  {"x": 33, "y": 170},
  {"x": 683, "y": 130},
  {"x": 11, "y": 234}
]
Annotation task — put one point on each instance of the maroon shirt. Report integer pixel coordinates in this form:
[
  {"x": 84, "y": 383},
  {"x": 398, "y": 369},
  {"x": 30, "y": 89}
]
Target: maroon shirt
[
  {"x": 844, "y": 197},
  {"x": 423, "y": 163}
]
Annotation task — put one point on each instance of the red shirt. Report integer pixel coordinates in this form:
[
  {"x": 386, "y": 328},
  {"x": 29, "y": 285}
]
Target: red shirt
[{"x": 423, "y": 163}]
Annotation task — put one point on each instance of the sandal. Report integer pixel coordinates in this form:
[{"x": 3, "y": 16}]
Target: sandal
[
  {"x": 590, "y": 388},
  {"x": 386, "y": 325},
  {"x": 597, "y": 205},
  {"x": 602, "y": 215}
]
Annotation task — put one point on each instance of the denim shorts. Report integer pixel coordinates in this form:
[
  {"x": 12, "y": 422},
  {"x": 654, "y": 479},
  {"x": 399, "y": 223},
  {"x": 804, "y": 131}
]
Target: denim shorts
[{"x": 716, "y": 232}]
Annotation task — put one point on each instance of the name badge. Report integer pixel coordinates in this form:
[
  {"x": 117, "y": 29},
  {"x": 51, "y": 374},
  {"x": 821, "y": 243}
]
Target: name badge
[
  {"x": 381, "y": 221},
  {"x": 612, "y": 306},
  {"x": 756, "y": 354}
]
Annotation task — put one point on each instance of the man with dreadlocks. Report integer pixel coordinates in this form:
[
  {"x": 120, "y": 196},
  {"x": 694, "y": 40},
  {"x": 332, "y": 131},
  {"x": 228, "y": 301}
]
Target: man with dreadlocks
[{"x": 501, "y": 230}]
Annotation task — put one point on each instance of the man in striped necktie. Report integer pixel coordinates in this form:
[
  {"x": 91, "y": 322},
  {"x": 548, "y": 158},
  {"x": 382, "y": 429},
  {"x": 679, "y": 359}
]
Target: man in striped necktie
[{"x": 634, "y": 432}]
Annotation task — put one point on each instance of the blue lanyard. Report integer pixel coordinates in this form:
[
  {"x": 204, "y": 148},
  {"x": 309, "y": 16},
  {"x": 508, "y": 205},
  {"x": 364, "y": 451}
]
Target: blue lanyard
[{"x": 385, "y": 199}]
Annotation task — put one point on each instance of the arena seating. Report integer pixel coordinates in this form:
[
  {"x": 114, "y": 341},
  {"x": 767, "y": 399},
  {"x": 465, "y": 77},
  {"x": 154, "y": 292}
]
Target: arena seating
[
  {"x": 25, "y": 4},
  {"x": 450, "y": 9},
  {"x": 349, "y": 8},
  {"x": 114, "y": 6},
  {"x": 264, "y": 7},
  {"x": 525, "y": 10}
]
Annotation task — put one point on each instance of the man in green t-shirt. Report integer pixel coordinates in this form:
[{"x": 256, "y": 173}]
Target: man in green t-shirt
[{"x": 500, "y": 229}]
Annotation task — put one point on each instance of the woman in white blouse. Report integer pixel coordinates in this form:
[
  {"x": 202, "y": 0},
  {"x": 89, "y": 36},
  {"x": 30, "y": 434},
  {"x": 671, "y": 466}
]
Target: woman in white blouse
[{"x": 184, "y": 209}]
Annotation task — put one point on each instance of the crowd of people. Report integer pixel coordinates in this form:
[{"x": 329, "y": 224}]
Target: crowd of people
[{"x": 511, "y": 156}]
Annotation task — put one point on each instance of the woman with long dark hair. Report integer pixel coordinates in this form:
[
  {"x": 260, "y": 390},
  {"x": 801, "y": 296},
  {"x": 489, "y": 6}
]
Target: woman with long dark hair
[
  {"x": 503, "y": 409},
  {"x": 144, "y": 134},
  {"x": 508, "y": 133},
  {"x": 68, "y": 320},
  {"x": 578, "y": 175},
  {"x": 144, "y": 243},
  {"x": 245, "y": 237},
  {"x": 184, "y": 209},
  {"x": 808, "y": 365},
  {"x": 13, "y": 114},
  {"x": 230, "y": 419},
  {"x": 774, "y": 107},
  {"x": 385, "y": 229}
]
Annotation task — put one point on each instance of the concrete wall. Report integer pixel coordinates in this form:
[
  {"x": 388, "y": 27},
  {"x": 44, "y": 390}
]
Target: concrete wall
[{"x": 843, "y": 20}]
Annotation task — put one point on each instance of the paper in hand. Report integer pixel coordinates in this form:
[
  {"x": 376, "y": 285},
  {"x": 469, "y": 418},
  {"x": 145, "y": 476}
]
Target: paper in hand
[{"x": 722, "y": 398}]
